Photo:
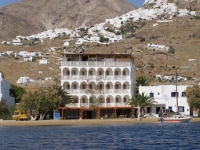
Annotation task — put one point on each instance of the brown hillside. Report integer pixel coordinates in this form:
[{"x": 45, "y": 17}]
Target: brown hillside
[{"x": 33, "y": 16}]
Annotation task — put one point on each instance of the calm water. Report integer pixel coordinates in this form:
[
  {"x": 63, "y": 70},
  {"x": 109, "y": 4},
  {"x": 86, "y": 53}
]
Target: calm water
[{"x": 114, "y": 137}]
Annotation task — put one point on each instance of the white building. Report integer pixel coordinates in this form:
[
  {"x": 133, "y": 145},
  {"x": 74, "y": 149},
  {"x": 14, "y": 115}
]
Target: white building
[
  {"x": 165, "y": 96},
  {"x": 108, "y": 78},
  {"x": 5, "y": 91},
  {"x": 43, "y": 61},
  {"x": 23, "y": 80}
]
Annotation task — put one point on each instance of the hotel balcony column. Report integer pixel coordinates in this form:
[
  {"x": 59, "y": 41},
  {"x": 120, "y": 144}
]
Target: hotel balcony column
[
  {"x": 99, "y": 112},
  {"x": 79, "y": 103},
  {"x": 115, "y": 109},
  {"x": 79, "y": 72}
]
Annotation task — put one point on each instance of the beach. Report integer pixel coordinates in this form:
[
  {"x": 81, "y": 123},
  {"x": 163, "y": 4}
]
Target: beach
[{"x": 81, "y": 122}]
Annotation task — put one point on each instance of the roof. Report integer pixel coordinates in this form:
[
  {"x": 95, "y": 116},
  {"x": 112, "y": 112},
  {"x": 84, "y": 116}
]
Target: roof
[{"x": 105, "y": 55}]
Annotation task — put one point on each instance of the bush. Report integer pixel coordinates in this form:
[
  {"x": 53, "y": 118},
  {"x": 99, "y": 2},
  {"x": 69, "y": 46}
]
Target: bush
[
  {"x": 142, "y": 39},
  {"x": 171, "y": 50}
]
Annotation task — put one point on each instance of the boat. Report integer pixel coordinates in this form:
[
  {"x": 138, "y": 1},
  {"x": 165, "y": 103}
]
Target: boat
[{"x": 178, "y": 118}]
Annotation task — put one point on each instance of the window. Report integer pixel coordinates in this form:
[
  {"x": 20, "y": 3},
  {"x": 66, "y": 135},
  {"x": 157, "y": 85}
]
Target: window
[
  {"x": 117, "y": 100},
  {"x": 183, "y": 94},
  {"x": 124, "y": 86},
  {"x": 124, "y": 73},
  {"x": 12, "y": 92},
  {"x": 68, "y": 86},
  {"x": 101, "y": 86},
  {"x": 107, "y": 86},
  {"x": 74, "y": 86},
  {"x": 67, "y": 72},
  {"x": 101, "y": 100},
  {"x": 181, "y": 109},
  {"x": 100, "y": 73},
  {"x": 83, "y": 73},
  {"x": 124, "y": 99},
  {"x": 170, "y": 107},
  {"x": 90, "y": 72},
  {"x": 83, "y": 86},
  {"x": 73, "y": 72},
  {"x": 76, "y": 100},
  {"x": 173, "y": 94},
  {"x": 151, "y": 94},
  {"x": 83, "y": 100},
  {"x": 117, "y": 86},
  {"x": 108, "y": 100},
  {"x": 91, "y": 100},
  {"x": 116, "y": 73},
  {"x": 90, "y": 86},
  {"x": 148, "y": 109},
  {"x": 107, "y": 72}
]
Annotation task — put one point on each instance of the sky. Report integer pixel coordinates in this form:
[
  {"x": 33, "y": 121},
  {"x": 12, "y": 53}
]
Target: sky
[{"x": 137, "y": 3}]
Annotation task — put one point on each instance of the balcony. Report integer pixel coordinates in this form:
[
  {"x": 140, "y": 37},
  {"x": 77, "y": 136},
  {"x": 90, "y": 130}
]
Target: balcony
[
  {"x": 83, "y": 77},
  {"x": 97, "y": 92},
  {"x": 96, "y": 63},
  {"x": 87, "y": 105}
]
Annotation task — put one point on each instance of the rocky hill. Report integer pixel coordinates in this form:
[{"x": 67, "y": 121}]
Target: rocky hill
[{"x": 32, "y": 16}]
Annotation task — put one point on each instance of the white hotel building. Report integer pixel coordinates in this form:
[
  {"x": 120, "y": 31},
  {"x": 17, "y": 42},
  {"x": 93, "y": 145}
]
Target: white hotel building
[{"x": 108, "y": 78}]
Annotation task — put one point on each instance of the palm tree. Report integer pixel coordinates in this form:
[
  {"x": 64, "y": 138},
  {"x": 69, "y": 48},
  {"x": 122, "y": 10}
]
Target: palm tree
[
  {"x": 142, "y": 101},
  {"x": 66, "y": 98},
  {"x": 143, "y": 81}
]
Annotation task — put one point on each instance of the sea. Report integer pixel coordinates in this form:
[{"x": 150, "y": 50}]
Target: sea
[{"x": 185, "y": 136}]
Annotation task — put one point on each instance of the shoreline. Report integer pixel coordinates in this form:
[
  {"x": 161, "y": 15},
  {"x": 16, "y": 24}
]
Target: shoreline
[{"x": 124, "y": 121}]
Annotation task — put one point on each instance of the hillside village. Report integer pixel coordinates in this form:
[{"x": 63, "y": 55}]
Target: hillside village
[{"x": 104, "y": 33}]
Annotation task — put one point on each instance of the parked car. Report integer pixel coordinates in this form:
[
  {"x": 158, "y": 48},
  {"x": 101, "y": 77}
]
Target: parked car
[{"x": 20, "y": 115}]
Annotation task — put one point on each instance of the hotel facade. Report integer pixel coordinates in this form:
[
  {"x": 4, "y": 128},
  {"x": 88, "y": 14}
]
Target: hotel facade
[{"x": 101, "y": 85}]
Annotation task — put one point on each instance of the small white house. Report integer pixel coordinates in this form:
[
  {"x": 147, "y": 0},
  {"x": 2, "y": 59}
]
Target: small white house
[
  {"x": 5, "y": 91},
  {"x": 23, "y": 80},
  {"x": 165, "y": 96},
  {"x": 17, "y": 42},
  {"x": 66, "y": 43},
  {"x": 43, "y": 61}
]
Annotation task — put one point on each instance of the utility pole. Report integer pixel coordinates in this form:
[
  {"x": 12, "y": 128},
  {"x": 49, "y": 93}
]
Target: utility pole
[{"x": 176, "y": 91}]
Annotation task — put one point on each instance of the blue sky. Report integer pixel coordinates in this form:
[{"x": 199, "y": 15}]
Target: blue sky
[{"x": 137, "y": 3}]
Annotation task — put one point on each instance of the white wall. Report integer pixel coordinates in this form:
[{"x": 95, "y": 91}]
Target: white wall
[
  {"x": 162, "y": 95},
  {"x": 5, "y": 87}
]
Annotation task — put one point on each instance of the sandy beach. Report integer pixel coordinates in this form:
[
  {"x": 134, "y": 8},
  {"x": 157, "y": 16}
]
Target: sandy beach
[{"x": 81, "y": 122}]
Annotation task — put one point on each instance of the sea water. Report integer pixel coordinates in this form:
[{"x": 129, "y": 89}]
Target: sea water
[{"x": 150, "y": 136}]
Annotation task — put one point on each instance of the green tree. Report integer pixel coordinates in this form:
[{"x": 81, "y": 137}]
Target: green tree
[
  {"x": 142, "y": 101},
  {"x": 45, "y": 100},
  {"x": 18, "y": 92},
  {"x": 143, "y": 81},
  {"x": 30, "y": 101},
  {"x": 4, "y": 110},
  {"x": 193, "y": 96}
]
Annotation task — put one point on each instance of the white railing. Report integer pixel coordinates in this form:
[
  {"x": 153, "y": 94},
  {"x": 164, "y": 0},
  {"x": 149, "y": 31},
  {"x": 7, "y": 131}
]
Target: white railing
[
  {"x": 96, "y": 92},
  {"x": 87, "y": 105},
  {"x": 94, "y": 77},
  {"x": 95, "y": 63}
]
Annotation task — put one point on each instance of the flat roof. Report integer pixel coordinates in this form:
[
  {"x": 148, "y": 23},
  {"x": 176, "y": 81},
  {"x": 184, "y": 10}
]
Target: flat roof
[{"x": 105, "y": 55}]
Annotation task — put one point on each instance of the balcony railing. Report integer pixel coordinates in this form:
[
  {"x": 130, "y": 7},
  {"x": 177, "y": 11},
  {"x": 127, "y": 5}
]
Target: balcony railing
[
  {"x": 87, "y": 105},
  {"x": 95, "y": 63},
  {"x": 94, "y": 77},
  {"x": 97, "y": 92}
]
